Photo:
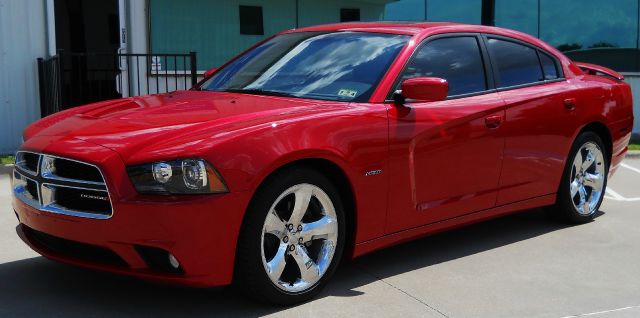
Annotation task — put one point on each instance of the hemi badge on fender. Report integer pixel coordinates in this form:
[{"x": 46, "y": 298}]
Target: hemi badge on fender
[{"x": 372, "y": 173}]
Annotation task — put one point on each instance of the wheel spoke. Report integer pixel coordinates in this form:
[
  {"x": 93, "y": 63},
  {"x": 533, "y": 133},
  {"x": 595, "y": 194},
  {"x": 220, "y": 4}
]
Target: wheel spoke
[
  {"x": 302, "y": 199},
  {"x": 584, "y": 200},
  {"x": 577, "y": 162},
  {"x": 593, "y": 181},
  {"x": 583, "y": 194},
  {"x": 574, "y": 188},
  {"x": 276, "y": 265},
  {"x": 588, "y": 160},
  {"x": 322, "y": 228},
  {"x": 274, "y": 225},
  {"x": 309, "y": 271},
  {"x": 586, "y": 208}
]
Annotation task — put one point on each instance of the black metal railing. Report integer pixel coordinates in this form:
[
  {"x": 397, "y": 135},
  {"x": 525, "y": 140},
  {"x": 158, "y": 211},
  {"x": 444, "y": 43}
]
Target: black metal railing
[
  {"x": 50, "y": 84},
  {"x": 72, "y": 79}
]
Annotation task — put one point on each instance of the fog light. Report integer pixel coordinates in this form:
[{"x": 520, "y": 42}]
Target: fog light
[{"x": 173, "y": 261}]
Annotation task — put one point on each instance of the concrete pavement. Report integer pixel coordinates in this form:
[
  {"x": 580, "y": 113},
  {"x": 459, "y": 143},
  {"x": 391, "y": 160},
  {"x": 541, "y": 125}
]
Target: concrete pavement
[{"x": 518, "y": 266}]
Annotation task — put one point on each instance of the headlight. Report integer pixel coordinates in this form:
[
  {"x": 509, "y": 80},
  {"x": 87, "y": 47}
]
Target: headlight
[{"x": 187, "y": 176}]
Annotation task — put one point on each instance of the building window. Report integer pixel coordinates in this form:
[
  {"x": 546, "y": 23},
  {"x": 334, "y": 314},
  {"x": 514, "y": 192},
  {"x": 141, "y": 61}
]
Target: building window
[
  {"x": 251, "y": 20},
  {"x": 347, "y": 15},
  {"x": 464, "y": 11}
]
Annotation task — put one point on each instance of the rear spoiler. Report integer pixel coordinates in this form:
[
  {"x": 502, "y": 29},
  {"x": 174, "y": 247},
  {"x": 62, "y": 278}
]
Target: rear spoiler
[{"x": 593, "y": 69}]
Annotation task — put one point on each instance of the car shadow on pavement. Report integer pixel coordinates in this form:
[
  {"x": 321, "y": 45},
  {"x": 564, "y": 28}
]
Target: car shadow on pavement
[{"x": 38, "y": 287}]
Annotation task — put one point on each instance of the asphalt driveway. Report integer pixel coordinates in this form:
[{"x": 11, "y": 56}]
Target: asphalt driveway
[{"x": 518, "y": 266}]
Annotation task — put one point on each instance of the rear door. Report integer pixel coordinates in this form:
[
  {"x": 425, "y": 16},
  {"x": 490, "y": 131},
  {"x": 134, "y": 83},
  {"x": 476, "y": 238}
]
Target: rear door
[
  {"x": 540, "y": 118},
  {"x": 445, "y": 156}
]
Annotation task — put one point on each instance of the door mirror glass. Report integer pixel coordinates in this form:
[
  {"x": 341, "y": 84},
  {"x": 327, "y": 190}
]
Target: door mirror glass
[{"x": 425, "y": 89}]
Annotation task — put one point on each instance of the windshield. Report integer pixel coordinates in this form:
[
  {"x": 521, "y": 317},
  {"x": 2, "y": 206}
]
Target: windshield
[{"x": 342, "y": 66}]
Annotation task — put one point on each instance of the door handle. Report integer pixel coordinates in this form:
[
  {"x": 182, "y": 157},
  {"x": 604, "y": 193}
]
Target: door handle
[
  {"x": 570, "y": 104},
  {"x": 493, "y": 122}
]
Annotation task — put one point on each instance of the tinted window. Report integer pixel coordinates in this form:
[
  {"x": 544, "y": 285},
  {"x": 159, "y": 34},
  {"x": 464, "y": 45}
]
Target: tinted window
[
  {"x": 549, "y": 67},
  {"x": 517, "y": 64},
  {"x": 344, "y": 66},
  {"x": 457, "y": 60}
]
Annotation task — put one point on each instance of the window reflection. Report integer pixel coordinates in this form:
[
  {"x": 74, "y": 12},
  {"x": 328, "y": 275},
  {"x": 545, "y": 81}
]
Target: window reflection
[
  {"x": 334, "y": 66},
  {"x": 456, "y": 59}
]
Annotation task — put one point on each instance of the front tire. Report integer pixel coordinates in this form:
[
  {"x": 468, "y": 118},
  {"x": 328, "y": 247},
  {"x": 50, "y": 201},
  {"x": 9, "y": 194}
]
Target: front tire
[
  {"x": 584, "y": 180},
  {"x": 292, "y": 239}
]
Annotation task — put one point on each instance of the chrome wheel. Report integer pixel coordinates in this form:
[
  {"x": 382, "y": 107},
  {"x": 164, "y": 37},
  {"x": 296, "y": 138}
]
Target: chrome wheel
[
  {"x": 299, "y": 238},
  {"x": 587, "y": 178}
]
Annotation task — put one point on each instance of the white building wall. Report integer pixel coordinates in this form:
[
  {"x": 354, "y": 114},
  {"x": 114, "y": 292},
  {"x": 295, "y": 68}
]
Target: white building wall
[
  {"x": 22, "y": 41},
  {"x": 634, "y": 81}
]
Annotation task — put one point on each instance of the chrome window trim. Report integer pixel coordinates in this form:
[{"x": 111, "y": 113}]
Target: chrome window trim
[{"x": 50, "y": 182}]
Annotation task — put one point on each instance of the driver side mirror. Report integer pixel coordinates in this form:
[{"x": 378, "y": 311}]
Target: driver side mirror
[
  {"x": 425, "y": 89},
  {"x": 210, "y": 71}
]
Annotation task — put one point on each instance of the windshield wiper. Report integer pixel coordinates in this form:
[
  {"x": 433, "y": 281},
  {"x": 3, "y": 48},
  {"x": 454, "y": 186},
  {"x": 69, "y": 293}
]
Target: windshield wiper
[{"x": 258, "y": 92}]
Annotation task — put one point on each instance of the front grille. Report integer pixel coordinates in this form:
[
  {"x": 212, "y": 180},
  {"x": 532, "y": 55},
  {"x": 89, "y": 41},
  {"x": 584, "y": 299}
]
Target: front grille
[
  {"x": 32, "y": 189},
  {"x": 28, "y": 162},
  {"x": 72, "y": 249},
  {"x": 83, "y": 200},
  {"x": 61, "y": 185},
  {"x": 68, "y": 169}
]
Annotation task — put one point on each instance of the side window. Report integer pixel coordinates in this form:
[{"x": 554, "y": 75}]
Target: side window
[
  {"x": 456, "y": 59},
  {"x": 517, "y": 64},
  {"x": 548, "y": 66}
]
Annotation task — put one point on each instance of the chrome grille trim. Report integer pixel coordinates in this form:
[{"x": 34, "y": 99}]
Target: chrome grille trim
[
  {"x": 20, "y": 190},
  {"x": 47, "y": 182},
  {"x": 50, "y": 172},
  {"x": 21, "y": 162}
]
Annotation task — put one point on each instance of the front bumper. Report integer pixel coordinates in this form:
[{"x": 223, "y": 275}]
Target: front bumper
[{"x": 200, "y": 231}]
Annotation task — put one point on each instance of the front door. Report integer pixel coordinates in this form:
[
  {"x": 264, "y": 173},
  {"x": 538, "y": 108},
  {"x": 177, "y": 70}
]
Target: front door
[{"x": 445, "y": 157}]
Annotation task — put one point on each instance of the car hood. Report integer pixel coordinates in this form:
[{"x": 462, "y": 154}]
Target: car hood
[{"x": 133, "y": 124}]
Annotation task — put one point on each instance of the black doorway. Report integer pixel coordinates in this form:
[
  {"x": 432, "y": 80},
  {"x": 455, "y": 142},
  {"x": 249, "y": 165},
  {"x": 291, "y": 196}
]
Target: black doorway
[{"x": 87, "y": 38}]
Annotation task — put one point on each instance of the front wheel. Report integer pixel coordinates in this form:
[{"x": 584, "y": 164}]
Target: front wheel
[
  {"x": 292, "y": 239},
  {"x": 584, "y": 180}
]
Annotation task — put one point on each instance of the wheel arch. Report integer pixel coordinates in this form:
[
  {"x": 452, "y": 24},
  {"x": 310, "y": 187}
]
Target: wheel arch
[
  {"x": 604, "y": 133},
  {"x": 338, "y": 176}
]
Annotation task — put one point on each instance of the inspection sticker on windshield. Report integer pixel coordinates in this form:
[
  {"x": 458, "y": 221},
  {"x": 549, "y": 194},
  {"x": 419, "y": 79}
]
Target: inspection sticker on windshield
[{"x": 347, "y": 93}]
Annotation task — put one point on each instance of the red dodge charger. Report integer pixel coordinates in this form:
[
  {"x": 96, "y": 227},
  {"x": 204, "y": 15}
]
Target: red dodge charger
[{"x": 318, "y": 144}]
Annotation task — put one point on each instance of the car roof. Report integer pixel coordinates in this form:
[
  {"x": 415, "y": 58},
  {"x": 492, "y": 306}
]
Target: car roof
[
  {"x": 426, "y": 28},
  {"x": 400, "y": 27}
]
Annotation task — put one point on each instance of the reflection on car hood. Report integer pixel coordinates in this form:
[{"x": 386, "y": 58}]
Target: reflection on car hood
[{"x": 128, "y": 125}]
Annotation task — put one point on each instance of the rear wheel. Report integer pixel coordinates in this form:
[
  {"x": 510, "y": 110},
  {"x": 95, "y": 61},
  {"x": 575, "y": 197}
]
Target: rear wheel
[
  {"x": 292, "y": 239},
  {"x": 584, "y": 180}
]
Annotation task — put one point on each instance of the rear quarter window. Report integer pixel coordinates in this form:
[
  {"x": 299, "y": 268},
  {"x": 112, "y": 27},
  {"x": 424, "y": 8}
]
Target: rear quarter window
[
  {"x": 516, "y": 64},
  {"x": 549, "y": 67}
]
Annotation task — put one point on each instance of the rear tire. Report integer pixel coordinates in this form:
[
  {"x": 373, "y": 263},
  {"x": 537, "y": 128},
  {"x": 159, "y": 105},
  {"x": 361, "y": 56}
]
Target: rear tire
[
  {"x": 584, "y": 180},
  {"x": 292, "y": 238}
]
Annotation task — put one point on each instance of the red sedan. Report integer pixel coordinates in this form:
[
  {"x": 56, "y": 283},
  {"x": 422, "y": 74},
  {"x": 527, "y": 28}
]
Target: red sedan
[{"x": 318, "y": 144}]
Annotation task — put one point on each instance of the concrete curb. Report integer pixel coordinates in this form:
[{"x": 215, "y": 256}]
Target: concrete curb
[
  {"x": 6, "y": 169},
  {"x": 633, "y": 154}
]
